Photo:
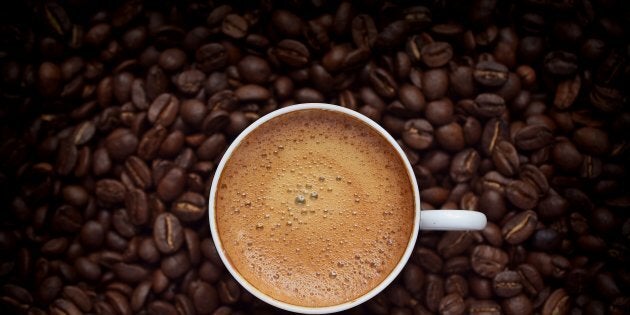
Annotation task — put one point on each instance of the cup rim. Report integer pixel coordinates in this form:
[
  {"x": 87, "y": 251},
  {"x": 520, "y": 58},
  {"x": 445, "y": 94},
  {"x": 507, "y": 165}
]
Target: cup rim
[{"x": 298, "y": 308}]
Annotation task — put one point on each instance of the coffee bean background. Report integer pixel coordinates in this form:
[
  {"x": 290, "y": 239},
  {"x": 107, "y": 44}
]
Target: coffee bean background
[{"x": 114, "y": 114}]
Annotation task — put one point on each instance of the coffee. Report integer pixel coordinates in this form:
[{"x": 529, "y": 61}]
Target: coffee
[{"x": 314, "y": 208}]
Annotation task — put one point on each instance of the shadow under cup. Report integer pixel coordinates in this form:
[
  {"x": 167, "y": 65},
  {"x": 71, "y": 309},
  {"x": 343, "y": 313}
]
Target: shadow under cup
[{"x": 374, "y": 288}]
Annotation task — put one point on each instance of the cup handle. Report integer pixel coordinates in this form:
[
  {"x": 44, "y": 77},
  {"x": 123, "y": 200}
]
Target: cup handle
[{"x": 452, "y": 220}]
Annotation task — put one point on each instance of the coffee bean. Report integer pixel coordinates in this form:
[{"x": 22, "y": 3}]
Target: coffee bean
[
  {"x": 450, "y": 137},
  {"x": 434, "y": 84},
  {"x": 519, "y": 304},
  {"x": 287, "y": 23},
  {"x": 203, "y": 296},
  {"x": 150, "y": 142},
  {"x": 413, "y": 277},
  {"x": 292, "y": 53},
  {"x": 434, "y": 292},
  {"x": 464, "y": 165},
  {"x": 440, "y": 112},
  {"x": 163, "y": 111},
  {"x": 364, "y": 31},
  {"x": 175, "y": 265},
  {"x": 489, "y": 105},
  {"x": 110, "y": 191},
  {"x": 436, "y": 54},
  {"x": 557, "y": 303},
  {"x": 533, "y": 137},
  {"x": 130, "y": 273},
  {"x": 428, "y": 259},
  {"x": 488, "y": 261},
  {"x": 507, "y": 284},
  {"x": 189, "y": 207},
  {"x": 494, "y": 131},
  {"x": 560, "y": 63},
  {"x": 484, "y": 307},
  {"x": 229, "y": 291},
  {"x": 189, "y": 81},
  {"x": 167, "y": 233},
  {"x": 383, "y": 83},
  {"x": 418, "y": 134},
  {"x": 591, "y": 140},
  {"x": 252, "y": 93},
  {"x": 505, "y": 158},
  {"x": 490, "y": 73},
  {"x": 171, "y": 185},
  {"x": 234, "y": 26},
  {"x": 118, "y": 301},
  {"x": 522, "y": 194},
  {"x": 87, "y": 269},
  {"x": 121, "y": 143},
  {"x": 211, "y": 57},
  {"x": 78, "y": 296},
  {"x": 452, "y": 304}
]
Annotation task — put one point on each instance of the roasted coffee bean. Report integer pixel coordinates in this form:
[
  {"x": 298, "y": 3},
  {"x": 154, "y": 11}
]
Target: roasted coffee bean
[
  {"x": 561, "y": 63},
  {"x": 110, "y": 191},
  {"x": 434, "y": 84},
  {"x": 522, "y": 194},
  {"x": 383, "y": 83},
  {"x": 189, "y": 82},
  {"x": 78, "y": 296},
  {"x": 490, "y": 73},
  {"x": 189, "y": 207},
  {"x": 138, "y": 207},
  {"x": 505, "y": 158},
  {"x": 452, "y": 304},
  {"x": 287, "y": 23},
  {"x": 172, "y": 184},
  {"x": 457, "y": 284},
  {"x": 519, "y": 304},
  {"x": 138, "y": 172},
  {"x": 464, "y": 165},
  {"x": 434, "y": 292},
  {"x": 454, "y": 243},
  {"x": 494, "y": 131},
  {"x": 450, "y": 137},
  {"x": 488, "y": 261},
  {"x": 418, "y": 134},
  {"x": 411, "y": 97},
  {"x": 413, "y": 277},
  {"x": 439, "y": 112},
  {"x": 121, "y": 143},
  {"x": 204, "y": 296},
  {"x": 292, "y": 53},
  {"x": 175, "y": 265},
  {"x": 428, "y": 259},
  {"x": 364, "y": 31},
  {"x": 533, "y": 137},
  {"x": 436, "y": 54},
  {"x": 167, "y": 233},
  {"x": 520, "y": 227},
  {"x": 211, "y": 57},
  {"x": 507, "y": 284},
  {"x": 129, "y": 272},
  {"x": 591, "y": 140},
  {"x": 163, "y": 111},
  {"x": 557, "y": 303},
  {"x": 234, "y": 26},
  {"x": 484, "y": 307},
  {"x": 161, "y": 307},
  {"x": 488, "y": 105}
]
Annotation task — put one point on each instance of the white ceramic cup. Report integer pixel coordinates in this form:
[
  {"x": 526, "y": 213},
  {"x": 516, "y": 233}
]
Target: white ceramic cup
[{"x": 424, "y": 220}]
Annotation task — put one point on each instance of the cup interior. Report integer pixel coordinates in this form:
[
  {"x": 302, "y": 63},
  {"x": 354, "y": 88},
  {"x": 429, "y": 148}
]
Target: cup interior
[{"x": 298, "y": 308}]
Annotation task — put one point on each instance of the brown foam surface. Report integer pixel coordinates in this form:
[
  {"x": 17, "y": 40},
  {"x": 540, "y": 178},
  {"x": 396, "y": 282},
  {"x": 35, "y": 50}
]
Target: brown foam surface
[{"x": 314, "y": 209}]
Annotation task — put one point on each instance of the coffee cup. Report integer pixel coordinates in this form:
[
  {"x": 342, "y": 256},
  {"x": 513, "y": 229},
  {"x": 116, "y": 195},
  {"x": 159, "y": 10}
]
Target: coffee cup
[{"x": 314, "y": 209}]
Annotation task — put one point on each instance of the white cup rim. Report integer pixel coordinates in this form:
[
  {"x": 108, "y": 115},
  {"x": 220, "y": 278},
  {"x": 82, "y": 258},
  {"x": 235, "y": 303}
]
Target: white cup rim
[{"x": 298, "y": 308}]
